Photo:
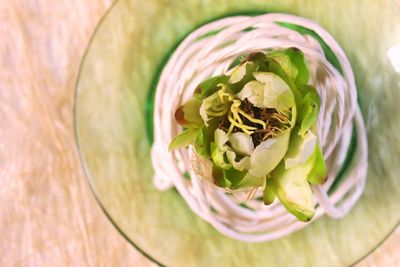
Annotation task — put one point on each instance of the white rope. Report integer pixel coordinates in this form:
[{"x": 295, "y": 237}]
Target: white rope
[{"x": 198, "y": 58}]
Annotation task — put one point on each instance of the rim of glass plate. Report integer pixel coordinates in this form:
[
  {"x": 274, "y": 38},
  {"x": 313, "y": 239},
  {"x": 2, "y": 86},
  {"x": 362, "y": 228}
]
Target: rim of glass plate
[{"x": 155, "y": 76}]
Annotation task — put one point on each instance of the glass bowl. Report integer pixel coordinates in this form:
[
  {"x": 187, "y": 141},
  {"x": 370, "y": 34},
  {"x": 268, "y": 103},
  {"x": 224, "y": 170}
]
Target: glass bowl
[{"x": 113, "y": 123}]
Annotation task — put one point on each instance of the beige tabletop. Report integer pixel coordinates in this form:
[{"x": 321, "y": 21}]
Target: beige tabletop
[{"x": 48, "y": 215}]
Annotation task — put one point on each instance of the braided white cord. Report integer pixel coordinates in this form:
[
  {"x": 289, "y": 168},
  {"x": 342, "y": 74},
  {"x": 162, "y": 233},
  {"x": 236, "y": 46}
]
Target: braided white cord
[{"x": 198, "y": 58}]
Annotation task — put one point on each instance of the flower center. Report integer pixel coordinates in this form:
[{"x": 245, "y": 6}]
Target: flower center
[{"x": 259, "y": 123}]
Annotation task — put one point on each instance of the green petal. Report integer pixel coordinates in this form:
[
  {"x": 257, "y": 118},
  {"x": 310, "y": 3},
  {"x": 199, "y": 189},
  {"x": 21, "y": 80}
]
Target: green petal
[
  {"x": 250, "y": 180},
  {"x": 210, "y": 86},
  {"x": 319, "y": 171},
  {"x": 268, "y": 154},
  {"x": 188, "y": 114},
  {"x": 293, "y": 190},
  {"x": 275, "y": 67},
  {"x": 283, "y": 59},
  {"x": 300, "y": 149},
  {"x": 297, "y": 58},
  {"x": 260, "y": 59},
  {"x": 219, "y": 178},
  {"x": 186, "y": 138},
  {"x": 308, "y": 113},
  {"x": 242, "y": 179},
  {"x": 293, "y": 64},
  {"x": 204, "y": 138},
  {"x": 234, "y": 177},
  {"x": 218, "y": 157}
]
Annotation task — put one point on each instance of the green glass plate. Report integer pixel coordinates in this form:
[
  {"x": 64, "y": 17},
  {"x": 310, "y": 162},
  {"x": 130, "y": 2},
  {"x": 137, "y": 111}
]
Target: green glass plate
[{"x": 113, "y": 107}]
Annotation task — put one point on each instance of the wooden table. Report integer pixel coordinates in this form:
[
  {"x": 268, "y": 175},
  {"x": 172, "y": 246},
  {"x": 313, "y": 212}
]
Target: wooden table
[{"x": 48, "y": 215}]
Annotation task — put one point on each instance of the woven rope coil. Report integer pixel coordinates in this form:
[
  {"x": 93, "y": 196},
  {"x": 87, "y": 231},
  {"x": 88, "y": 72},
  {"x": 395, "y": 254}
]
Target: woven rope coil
[{"x": 202, "y": 55}]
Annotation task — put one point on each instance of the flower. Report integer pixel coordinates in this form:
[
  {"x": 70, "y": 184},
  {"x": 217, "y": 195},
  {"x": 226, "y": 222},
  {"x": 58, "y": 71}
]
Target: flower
[{"x": 257, "y": 126}]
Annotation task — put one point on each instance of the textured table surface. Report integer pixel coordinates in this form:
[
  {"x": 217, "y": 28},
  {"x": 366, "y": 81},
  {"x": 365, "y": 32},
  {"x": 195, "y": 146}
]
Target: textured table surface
[{"x": 48, "y": 215}]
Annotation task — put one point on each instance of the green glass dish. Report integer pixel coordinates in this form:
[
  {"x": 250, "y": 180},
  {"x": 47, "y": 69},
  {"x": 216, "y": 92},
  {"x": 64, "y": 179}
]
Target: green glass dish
[{"x": 113, "y": 123}]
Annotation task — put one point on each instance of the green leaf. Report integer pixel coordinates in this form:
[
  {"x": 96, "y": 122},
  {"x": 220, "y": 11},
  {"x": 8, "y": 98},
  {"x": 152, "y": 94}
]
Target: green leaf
[
  {"x": 188, "y": 114},
  {"x": 319, "y": 171},
  {"x": 184, "y": 139},
  {"x": 308, "y": 112},
  {"x": 209, "y": 87},
  {"x": 268, "y": 154},
  {"x": 218, "y": 157}
]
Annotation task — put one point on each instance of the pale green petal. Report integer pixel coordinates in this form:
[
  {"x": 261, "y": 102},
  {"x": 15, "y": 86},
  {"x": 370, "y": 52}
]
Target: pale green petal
[
  {"x": 254, "y": 92},
  {"x": 301, "y": 149},
  {"x": 239, "y": 72},
  {"x": 241, "y": 143},
  {"x": 277, "y": 93},
  {"x": 220, "y": 138},
  {"x": 241, "y": 165},
  {"x": 268, "y": 154}
]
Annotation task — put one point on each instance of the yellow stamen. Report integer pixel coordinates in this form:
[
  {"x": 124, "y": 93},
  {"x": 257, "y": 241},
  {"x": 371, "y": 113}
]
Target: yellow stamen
[
  {"x": 250, "y": 118},
  {"x": 237, "y": 117},
  {"x": 246, "y": 129},
  {"x": 216, "y": 114},
  {"x": 223, "y": 95},
  {"x": 231, "y": 128},
  {"x": 281, "y": 118}
]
